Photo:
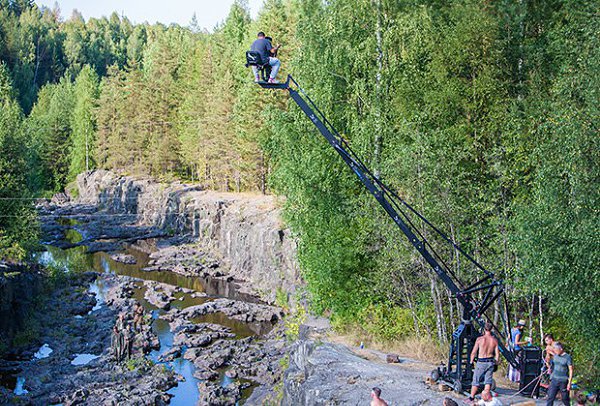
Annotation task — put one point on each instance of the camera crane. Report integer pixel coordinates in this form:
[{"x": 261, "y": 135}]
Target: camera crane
[{"x": 458, "y": 373}]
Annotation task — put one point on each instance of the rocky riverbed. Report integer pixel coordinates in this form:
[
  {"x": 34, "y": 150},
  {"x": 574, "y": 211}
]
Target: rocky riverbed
[
  {"x": 69, "y": 360},
  {"x": 204, "y": 341}
]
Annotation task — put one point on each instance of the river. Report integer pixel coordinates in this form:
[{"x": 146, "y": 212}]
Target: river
[{"x": 78, "y": 260}]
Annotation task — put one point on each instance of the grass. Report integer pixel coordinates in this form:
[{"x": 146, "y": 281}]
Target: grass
[{"x": 420, "y": 348}]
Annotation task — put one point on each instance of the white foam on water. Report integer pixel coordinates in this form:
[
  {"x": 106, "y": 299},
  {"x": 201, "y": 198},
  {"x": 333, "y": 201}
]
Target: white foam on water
[
  {"x": 78, "y": 316},
  {"x": 83, "y": 359},
  {"x": 19, "y": 389},
  {"x": 43, "y": 352}
]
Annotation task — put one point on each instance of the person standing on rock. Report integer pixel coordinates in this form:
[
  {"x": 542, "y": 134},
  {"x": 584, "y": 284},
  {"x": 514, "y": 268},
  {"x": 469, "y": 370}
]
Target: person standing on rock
[
  {"x": 376, "y": 398},
  {"x": 118, "y": 338},
  {"x": 128, "y": 336},
  {"x": 138, "y": 316},
  {"x": 115, "y": 343},
  {"x": 488, "y": 355}
]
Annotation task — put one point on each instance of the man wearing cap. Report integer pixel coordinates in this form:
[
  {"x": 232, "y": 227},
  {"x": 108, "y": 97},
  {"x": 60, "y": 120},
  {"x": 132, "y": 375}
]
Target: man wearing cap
[
  {"x": 516, "y": 335},
  {"x": 516, "y": 341},
  {"x": 562, "y": 375}
]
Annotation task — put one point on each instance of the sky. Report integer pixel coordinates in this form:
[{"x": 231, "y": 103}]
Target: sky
[{"x": 208, "y": 12}]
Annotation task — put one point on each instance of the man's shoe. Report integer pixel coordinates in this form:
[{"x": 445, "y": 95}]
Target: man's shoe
[
  {"x": 272, "y": 80},
  {"x": 257, "y": 79}
]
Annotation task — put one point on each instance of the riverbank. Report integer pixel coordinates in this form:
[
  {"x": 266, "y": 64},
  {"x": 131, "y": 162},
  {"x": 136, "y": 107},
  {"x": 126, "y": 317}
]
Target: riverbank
[
  {"x": 61, "y": 353},
  {"x": 209, "y": 336},
  {"x": 241, "y": 235}
]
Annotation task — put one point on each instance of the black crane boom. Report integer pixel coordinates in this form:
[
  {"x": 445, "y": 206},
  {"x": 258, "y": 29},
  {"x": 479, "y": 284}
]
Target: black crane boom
[{"x": 458, "y": 373}]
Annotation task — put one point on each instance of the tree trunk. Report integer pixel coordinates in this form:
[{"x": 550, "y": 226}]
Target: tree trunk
[
  {"x": 531, "y": 309},
  {"x": 411, "y": 306},
  {"x": 438, "y": 317},
  {"x": 441, "y": 313},
  {"x": 541, "y": 314},
  {"x": 378, "y": 92},
  {"x": 452, "y": 324},
  {"x": 263, "y": 174}
]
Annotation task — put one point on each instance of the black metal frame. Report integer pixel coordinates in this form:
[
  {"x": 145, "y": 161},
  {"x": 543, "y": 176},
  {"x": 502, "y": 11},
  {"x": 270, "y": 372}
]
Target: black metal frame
[
  {"x": 458, "y": 372},
  {"x": 264, "y": 70}
]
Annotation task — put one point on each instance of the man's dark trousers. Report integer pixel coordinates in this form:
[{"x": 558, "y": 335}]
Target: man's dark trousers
[{"x": 554, "y": 388}]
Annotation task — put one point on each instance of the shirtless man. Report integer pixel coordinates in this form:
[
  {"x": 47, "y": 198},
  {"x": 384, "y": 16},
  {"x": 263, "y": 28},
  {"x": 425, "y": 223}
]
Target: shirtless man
[
  {"x": 377, "y": 401},
  {"x": 549, "y": 341},
  {"x": 488, "y": 355}
]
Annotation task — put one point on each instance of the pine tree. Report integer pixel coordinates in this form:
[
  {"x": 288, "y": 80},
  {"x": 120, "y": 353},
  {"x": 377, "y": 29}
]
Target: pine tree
[
  {"x": 49, "y": 127},
  {"x": 17, "y": 223}
]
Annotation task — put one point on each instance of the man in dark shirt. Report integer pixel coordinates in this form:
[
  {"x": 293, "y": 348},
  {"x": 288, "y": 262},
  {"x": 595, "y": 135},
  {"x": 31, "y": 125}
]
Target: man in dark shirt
[
  {"x": 562, "y": 375},
  {"x": 264, "y": 47}
]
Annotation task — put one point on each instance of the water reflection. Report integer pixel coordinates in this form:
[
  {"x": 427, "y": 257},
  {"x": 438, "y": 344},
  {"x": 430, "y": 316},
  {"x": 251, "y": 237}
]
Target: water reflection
[
  {"x": 20, "y": 387},
  {"x": 239, "y": 328}
]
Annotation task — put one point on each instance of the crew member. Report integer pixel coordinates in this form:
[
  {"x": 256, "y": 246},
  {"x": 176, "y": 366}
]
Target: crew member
[
  {"x": 264, "y": 48},
  {"x": 562, "y": 375},
  {"x": 549, "y": 341},
  {"x": 488, "y": 355},
  {"x": 516, "y": 335},
  {"x": 138, "y": 316},
  {"x": 376, "y": 396},
  {"x": 516, "y": 341}
]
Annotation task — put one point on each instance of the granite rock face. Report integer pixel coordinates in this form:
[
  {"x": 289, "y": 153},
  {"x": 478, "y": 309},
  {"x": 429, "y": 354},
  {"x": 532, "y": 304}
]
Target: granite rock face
[
  {"x": 243, "y": 231},
  {"x": 323, "y": 373},
  {"x": 19, "y": 285}
]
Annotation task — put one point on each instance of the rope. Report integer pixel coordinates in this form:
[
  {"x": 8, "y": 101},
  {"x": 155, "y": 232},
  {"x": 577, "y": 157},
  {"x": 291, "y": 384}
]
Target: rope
[
  {"x": 537, "y": 379},
  {"x": 91, "y": 215}
]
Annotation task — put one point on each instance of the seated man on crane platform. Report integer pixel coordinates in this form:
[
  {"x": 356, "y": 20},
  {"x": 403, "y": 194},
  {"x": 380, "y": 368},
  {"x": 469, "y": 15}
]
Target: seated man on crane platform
[{"x": 264, "y": 48}]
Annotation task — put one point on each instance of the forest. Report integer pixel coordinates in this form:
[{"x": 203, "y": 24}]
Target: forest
[{"x": 483, "y": 115}]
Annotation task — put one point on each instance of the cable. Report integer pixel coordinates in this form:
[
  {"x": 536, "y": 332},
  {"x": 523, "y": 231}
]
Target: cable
[
  {"x": 385, "y": 187},
  {"x": 537, "y": 379},
  {"x": 392, "y": 196},
  {"x": 91, "y": 215}
]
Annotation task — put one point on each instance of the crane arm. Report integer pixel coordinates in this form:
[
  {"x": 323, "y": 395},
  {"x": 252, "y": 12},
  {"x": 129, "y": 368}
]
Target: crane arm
[{"x": 492, "y": 287}]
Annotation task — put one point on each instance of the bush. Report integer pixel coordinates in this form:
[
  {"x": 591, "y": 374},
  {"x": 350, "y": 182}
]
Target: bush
[{"x": 387, "y": 322}]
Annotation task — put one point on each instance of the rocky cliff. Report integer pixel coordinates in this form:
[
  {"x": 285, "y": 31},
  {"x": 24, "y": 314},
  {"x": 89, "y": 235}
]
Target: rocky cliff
[
  {"x": 325, "y": 373},
  {"x": 244, "y": 230},
  {"x": 19, "y": 286}
]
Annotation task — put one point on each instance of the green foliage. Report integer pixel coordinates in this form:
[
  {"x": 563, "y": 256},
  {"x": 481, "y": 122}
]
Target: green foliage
[
  {"x": 281, "y": 299},
  {"x": 50, "y": 131},
  {"x": 142, "y": 364},
  {"x": 557, "y": 221},
  {"x": 482, "y": 115},
  {"x": 387, "y": 322},
  {"x": 26, "y": 336},
  {"x": 18, "y": 229},
  {"x": 293, "y": 322},
  {"x": 83, "y": 123}
]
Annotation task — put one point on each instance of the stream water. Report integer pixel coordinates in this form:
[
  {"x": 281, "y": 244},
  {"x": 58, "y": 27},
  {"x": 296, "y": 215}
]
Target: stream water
[{"x": 77, "y": 259}]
